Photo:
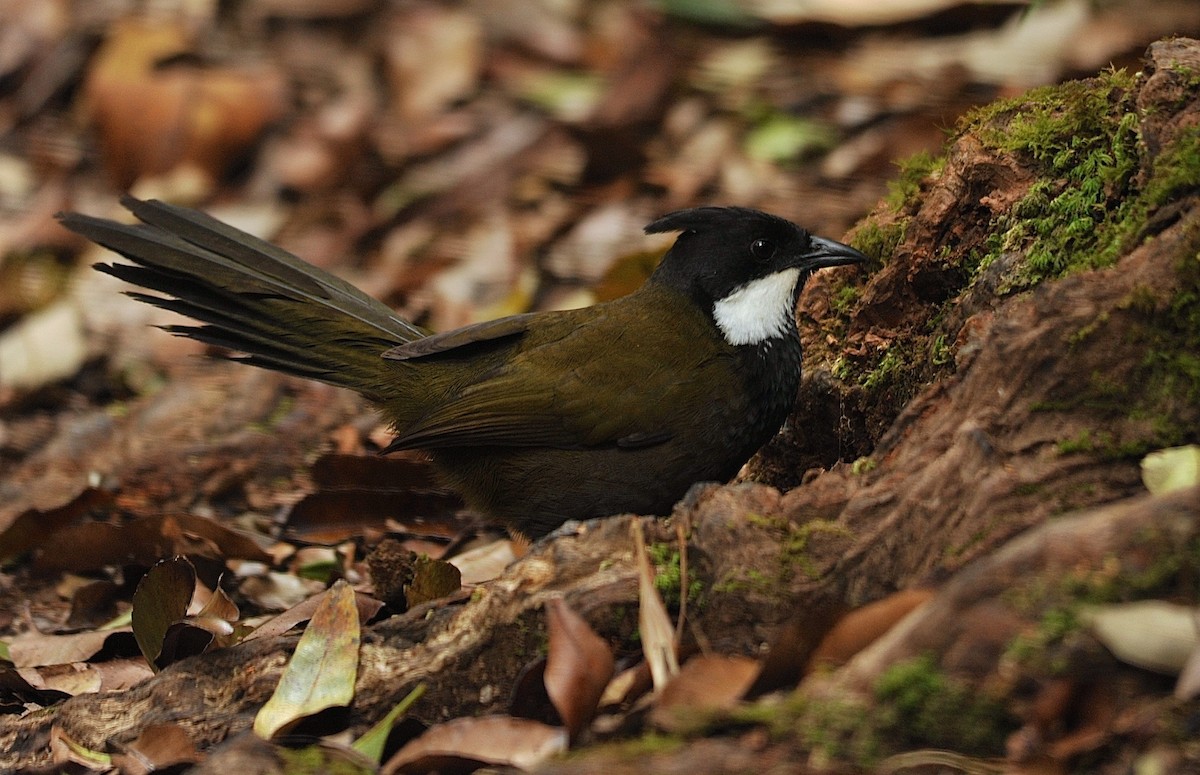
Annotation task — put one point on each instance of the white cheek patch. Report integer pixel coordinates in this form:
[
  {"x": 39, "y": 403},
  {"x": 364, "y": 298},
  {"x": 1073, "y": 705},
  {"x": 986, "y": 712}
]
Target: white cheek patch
[{"x": 759, "y": 310}]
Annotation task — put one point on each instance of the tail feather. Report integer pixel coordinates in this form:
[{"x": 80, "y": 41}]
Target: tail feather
[{"x": 251, "y": 296}]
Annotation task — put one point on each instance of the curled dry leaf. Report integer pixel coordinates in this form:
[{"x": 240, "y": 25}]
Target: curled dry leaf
[
  {"x": 65, "y": 748},
  {"x": 578, "y": 667},
  {"x": 498, "y": 741},
  {"x": 1188, "y": 685},
  {"x": 303, "y": 611},
  {"x": 484, "y": 563}
]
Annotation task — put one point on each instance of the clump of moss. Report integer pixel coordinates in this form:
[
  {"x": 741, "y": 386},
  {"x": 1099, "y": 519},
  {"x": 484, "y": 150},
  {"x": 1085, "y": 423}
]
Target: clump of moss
[
  {"x": 906, "y": 187},
  {"x": 1082, "y": 138},
  {"x": 668, "y": 579},
  {"x": 916, "y": 705},
  {"x": 919, "y": 705}
]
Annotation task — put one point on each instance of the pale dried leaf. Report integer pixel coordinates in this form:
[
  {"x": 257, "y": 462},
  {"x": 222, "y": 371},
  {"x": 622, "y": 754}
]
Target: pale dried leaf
[
  {"x": 34, "y": 649},
  {"x": 43, "y": 347},
  {"x": 1171, "y": 469},
  {"x": 1151, "y": 634},
  {"x": 654, "y": 624}
]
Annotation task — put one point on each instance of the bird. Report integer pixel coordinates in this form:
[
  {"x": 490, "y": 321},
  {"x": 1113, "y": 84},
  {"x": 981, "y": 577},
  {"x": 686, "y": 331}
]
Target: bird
[{"x": 535, "y": 419}]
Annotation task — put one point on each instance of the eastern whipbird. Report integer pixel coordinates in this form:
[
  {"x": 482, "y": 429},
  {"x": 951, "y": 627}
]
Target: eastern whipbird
[{"x": 536, "y": 418}]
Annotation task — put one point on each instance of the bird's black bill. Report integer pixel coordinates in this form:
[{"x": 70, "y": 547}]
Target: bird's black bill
[{"x": 827, "y": 252}]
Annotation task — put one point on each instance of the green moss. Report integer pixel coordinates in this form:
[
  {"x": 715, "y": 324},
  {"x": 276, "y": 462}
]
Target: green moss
[
  {"x": 862, "y": 465},
  {"x": 840, "y": 730},
  {"x": 916, "y": 705},
  {"x": 906, "y": 187},
  {"x": 1082, "y": 139},
  {"x": 844, "y": 299},
  {"x": 794, "y": 554},
  {"x": 668, "y": 576},
  {"x": 878, "y": 241},
  {"x": 886, "y": 371},
  {"x": 922, "y": 706},
  {"x": 649, "y": 744}
]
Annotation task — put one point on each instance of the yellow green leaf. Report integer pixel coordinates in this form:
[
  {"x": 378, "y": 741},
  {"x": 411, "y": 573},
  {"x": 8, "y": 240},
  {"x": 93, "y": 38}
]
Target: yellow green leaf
[
  {"x": 322, "y": 670},
  {"x": 372, "y": 741}
]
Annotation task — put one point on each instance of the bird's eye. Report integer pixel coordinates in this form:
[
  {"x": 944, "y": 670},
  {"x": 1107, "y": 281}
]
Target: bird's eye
[{"x": 762, "y": 249}]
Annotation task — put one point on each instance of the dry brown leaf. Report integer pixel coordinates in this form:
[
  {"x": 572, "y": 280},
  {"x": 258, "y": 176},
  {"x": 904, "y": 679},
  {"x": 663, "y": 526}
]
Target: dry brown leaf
[
  {"x": 151, "y": 119},
  {"x": 498, "y": 741},
  {"x": 296, "y": 615},
  {"x": 158, "y": 747},
  {"x": 453, "y": 38},
  {"x": 33, "y": 649},
  {"x": 579, "y": 666},
  {"x": 159, "y": 602},
  {"x": 863, "y": 626},
  {"x": 143, "y": 542},
  {"x": 705, "y": 683},
  {"x": 29, "y": 528}
]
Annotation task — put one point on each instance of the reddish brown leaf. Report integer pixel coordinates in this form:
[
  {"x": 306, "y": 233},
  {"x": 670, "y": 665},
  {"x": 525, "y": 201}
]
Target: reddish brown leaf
[
  {"x": 578, "y": 667},
  {"x": 466, "y": 744},
  {"x": 34, "y": 649},
  {"x": 302, "y": 612},
  {"x": 705, "y": 683},
  {"x": 158, "y": 746},
  {"x": 143, "y": 542},
  {"x": 152, "y": 118},
  {"x": 29, "y": 529},
  {"x": 356, "y": 492},
  {"x": 863, "y": 626}
]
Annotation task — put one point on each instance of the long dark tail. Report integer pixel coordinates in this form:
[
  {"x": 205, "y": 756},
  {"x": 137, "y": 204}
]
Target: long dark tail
[{"x": 284, "y": 313}]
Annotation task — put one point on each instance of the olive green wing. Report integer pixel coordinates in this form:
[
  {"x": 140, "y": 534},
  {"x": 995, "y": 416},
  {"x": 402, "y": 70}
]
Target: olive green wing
[{"x": 585, "y": 381}]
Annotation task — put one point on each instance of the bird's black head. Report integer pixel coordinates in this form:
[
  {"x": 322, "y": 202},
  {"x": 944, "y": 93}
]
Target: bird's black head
[{"x": 744, "y": 267}]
